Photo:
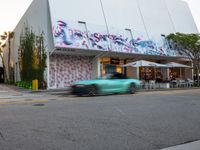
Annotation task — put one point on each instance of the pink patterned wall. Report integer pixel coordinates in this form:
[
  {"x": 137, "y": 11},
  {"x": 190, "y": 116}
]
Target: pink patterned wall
[{"x": 65, "y": 69}]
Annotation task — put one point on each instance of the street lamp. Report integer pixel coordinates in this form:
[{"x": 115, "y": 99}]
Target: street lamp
[{"x": 131, "y": 34}]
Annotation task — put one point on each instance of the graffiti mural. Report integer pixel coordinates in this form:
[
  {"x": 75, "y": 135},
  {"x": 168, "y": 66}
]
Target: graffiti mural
[
  {"x": 65, "y": 70},
  {"x": 68, "y": 35}
]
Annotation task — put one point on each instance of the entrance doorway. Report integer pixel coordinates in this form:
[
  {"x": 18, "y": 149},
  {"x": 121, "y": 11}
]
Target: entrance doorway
[{"x": 111, "y": 65}]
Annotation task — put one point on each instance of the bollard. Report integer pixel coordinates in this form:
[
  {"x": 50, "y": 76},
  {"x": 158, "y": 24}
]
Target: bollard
[{"x": 35, "y": 85}]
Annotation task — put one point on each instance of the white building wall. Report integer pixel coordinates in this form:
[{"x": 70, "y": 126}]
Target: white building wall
[
  {"x": 88, "y": 11},
  {"x": 181, "y": 16},
  {"x": 123, "y": 14},
  {"x": 146, "y": 21},
  {"x": 155, "y": 16},
  {"x": 37, "y": 18},
  {"x": 159, "y": 16},
  {"x": 146, "y": 17}
]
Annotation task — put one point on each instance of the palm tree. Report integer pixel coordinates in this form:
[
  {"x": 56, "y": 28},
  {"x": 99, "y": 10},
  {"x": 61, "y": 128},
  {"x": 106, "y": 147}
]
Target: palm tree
[{"x": 2, "y": 59}]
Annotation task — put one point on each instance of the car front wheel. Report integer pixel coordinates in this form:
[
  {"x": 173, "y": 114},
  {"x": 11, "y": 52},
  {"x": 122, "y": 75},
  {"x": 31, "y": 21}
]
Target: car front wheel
[
  {"x": 91, "y": 90},
  {"x": 131, "y": 88}
]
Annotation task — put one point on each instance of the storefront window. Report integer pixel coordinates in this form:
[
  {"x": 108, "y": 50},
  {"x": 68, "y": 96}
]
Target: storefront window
[
  {"x": 119, "y": 69},
  {"x": 147, "y": 73},
  {"x": 111, "y": 65},
  {"x": 177, "y": 72}
]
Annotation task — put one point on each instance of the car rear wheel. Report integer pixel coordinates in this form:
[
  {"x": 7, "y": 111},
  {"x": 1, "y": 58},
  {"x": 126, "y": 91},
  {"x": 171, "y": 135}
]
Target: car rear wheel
[
  {"x": 131, "y": 88},
  {"x": 91, "y": 90}
]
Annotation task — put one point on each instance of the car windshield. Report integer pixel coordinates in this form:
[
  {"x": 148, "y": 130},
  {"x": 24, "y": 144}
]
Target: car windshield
[{"x": 118, "y": 76}]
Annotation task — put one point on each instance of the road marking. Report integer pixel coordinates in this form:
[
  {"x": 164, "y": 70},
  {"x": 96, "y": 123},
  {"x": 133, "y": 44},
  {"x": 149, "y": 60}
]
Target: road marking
[
  {"x": 119, "y": 110},
  {"x": 166, "y": 93},
  {"x": 23, "y": 102}
]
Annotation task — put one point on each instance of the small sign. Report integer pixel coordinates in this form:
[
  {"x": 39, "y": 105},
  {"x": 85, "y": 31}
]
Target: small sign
[{"x": 114, "y": 61}]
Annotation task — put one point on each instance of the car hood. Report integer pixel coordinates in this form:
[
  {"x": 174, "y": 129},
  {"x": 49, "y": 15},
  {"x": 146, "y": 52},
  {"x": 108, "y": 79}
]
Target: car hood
[
  {"x": 88, "y": 81},
  {"x": 96, "y": 81}
]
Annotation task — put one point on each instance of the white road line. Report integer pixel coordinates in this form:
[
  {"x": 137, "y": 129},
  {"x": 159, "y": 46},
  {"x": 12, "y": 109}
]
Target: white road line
[{"x": 119, "y": 110}]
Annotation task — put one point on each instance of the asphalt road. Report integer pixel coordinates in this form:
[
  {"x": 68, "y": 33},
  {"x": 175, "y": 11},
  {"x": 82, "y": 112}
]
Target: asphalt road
[{"x": 145, "y": 121}]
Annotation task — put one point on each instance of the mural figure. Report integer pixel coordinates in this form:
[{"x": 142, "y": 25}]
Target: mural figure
[
  {"x": 61, "y": 33},
  {"x": 68, "y": 37}
]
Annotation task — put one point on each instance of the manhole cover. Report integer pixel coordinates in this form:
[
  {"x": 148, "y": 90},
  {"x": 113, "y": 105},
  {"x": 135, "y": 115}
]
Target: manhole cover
[
  {"x": 52, "y": 99},
  {"x": 18, "y": 95},
  {"x": 38, "y": 105},
  {"x": 28, "y": 100}
]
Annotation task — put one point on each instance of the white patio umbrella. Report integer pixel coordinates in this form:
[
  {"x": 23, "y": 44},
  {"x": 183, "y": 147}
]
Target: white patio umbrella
[
  {"x": 177, "y": 65},
  {"x": 144, "y": 63}
]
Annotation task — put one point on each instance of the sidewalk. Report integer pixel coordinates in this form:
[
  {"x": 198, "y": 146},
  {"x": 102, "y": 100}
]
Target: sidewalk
[
  {"x": 5, "y": 87},
  {"x": 189, "y": 146},
  {"x": 8, "y": 87},
  {"x": 10, "y": 94}
]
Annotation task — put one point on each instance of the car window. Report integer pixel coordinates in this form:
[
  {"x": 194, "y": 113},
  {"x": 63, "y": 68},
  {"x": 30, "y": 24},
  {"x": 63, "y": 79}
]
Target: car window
[{"x": 118, "y": 76}]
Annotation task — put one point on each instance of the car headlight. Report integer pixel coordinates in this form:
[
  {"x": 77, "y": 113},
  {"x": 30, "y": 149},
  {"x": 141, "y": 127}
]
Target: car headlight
[{"x": 79, "y": 85}]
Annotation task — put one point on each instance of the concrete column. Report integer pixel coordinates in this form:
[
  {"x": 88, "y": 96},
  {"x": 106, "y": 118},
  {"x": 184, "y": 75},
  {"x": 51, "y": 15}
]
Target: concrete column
[
  {"x": 188, "y": 73},
  {"x": 47, "y": 70},
  {"x": 192, "y": 72},
  {"x": 96, "y": 68},
  {"x": 165, "y": 73},
  {"x": 137, "y": 73}
]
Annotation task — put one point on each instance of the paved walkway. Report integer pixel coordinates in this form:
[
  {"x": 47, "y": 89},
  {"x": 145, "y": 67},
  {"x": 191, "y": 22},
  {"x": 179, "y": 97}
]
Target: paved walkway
[
  {"x": 7, "y": 87},
  {"x": 189, "y": 146},
  {"x": 11, "y": 91},
  {"x": 10, "y": 94}
]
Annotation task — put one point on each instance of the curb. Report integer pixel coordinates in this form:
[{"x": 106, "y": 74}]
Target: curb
[
  {"x": 66, "y": 90},
  {"x": 169, "y": 89},
  {"x": 51, "y": 90}
]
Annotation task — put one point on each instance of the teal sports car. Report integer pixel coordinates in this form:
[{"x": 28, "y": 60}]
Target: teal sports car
[{"x": 115, "y": 83}]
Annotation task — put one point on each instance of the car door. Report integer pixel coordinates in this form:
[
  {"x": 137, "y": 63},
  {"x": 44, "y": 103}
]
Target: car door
[
  {"x": 114, "y": 84},
  {"x": 121, "y": 85},
  {"x": 108, "y": 86}
]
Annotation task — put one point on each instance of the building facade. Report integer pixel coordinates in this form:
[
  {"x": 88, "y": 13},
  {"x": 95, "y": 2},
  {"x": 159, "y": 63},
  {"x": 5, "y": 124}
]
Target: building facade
[{"x": 91, "y": 38}]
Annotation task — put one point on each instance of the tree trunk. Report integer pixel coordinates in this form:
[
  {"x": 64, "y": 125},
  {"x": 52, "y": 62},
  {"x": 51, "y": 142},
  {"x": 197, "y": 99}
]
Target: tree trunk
[
  {"x": 5, "y": 74},
  {"x": 198, "y": 78},
  {"x": 9, "y": 75}
]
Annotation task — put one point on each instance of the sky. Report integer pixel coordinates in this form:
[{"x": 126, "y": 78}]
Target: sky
[{"x": 12, "y": 10}]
